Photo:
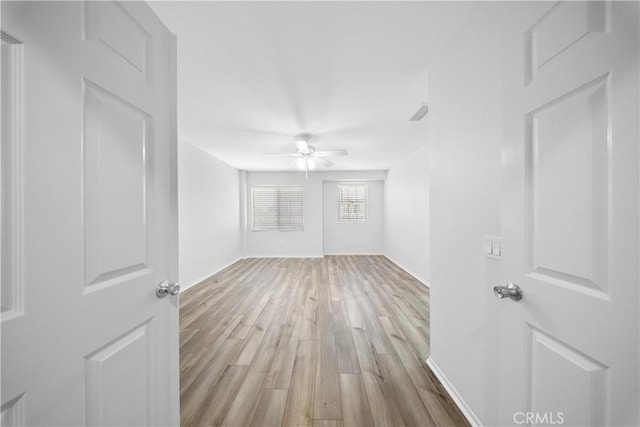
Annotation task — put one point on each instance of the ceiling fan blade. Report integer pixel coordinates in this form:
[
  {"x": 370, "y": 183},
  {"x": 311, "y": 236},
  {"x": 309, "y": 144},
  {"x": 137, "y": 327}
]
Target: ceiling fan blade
[
  {"x": 302, "y": 145},
  {"x": 282, "y": 154},
  {"x": 327, "y": 153},
  {"x": 324, "y": 162}
]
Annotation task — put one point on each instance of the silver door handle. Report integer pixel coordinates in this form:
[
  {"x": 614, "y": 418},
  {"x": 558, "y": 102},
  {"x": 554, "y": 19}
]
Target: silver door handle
[
  {"x": 163, "y": 288},
  {"x": 512, "y": 291}
]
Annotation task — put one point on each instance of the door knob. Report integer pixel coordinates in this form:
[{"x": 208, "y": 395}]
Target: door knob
[
  {"x": 163, "y": 288},
  {"x": 512, "y": 291}
]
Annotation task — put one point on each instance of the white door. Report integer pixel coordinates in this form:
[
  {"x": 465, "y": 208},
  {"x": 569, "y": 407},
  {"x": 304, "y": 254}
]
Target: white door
[
  {"x": 569, "y": 348},
  {"x": 88, "y": 215}
]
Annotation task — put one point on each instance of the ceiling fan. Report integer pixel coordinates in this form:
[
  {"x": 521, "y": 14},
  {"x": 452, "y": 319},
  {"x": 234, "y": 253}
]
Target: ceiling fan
[{"x": 307, "y": 157}]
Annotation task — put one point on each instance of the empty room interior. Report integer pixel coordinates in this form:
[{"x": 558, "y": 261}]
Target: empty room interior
[{"x": 321, "y": 214}]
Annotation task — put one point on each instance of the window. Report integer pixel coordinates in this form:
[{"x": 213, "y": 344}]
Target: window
[
  {"x": 353, "y": 202},
  {"x": 276, "y": 208}
]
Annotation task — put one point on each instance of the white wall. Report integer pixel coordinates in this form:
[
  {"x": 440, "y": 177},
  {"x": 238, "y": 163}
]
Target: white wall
[
  {"x": 307, "y": 243},
  {"x": 406, "y": 215},
  {"x": 465, "y": 133},
  {"x": 353, "y": 238},
  {"x": 209, "y": 214}
]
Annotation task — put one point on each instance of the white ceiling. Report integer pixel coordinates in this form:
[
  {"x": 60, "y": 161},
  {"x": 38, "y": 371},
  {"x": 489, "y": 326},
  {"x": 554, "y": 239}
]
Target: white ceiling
[{"x": 251, "y": 75}]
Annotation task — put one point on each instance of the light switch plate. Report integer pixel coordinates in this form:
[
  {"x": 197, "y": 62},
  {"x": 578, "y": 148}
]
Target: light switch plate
[
  {"x": 496, "y": 248},
  {"x": 492, "y": 247},
  {"x": 488, "y": 246}
]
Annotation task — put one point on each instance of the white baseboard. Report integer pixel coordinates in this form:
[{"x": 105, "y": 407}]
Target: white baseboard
[
  {"x": 415, "y": 276},
  {"x": 457, "y": 398},
  {"x": 283, "y": 256},
  {"x": 206, "y": 276},
  {"x": 352, "y": 254}
]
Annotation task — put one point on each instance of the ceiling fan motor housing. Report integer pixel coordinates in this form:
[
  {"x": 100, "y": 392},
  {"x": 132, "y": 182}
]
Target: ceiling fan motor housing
[{"x": 307, "y": 156}]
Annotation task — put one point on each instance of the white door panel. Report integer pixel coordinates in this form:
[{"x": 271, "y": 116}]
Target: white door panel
[
  {"x": 569, "y": 348},
  {"x": 12, "y": 289},
  {"x": 95, "y": 204}
]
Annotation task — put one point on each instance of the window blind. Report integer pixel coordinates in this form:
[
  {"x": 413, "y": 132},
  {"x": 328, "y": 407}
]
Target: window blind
[
  {"x": 277, "y": 208},
  {"x": 353, "y": 202}
]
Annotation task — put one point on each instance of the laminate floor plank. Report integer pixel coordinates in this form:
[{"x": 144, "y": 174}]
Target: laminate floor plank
[
  {"x": 408, "y": 401},
  {"x": 310, "y": 314},
  {"x": 246, "y": 402},
  {"x": 209, "y": 356},
  {"x": 327, "y": 423},
  {"x": 433, "y": 401},
  {"x": 279, "y": 375},
  {"x": 193, "y": 398},
  {"x": 384, "y": 410},
  {"x": 299, "y": 409},
  {"x": 270, "y": 410},
  {"x": 215, "y": 405},
  {"x": 325, "y": 342},
  {"x": 354, "y": 400},
  {"x": 345, "y": 349},
  {"x": 326, "y": 402}
]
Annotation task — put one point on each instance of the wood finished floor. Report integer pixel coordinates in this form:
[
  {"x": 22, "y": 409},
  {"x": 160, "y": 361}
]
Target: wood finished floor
[{"x": 334, "y": 341}]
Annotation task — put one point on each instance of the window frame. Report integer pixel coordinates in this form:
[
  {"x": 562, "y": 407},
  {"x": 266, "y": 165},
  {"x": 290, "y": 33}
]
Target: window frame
[
  {"x": 355, "y": 218},
  {"x": 278, "y": 227}
]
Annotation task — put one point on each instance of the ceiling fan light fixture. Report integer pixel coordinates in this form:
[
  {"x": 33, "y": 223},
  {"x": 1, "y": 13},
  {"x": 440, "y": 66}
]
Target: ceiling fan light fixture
[
  {"x": 300, "y": 163},
  {"x": 307, "y": 158},
  {"x": 311, "y": 163}
]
